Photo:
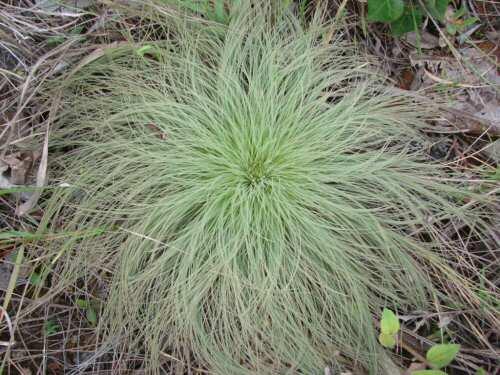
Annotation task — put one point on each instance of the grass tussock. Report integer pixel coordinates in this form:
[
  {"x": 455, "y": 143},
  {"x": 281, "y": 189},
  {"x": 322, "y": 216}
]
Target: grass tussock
[{"x": 261, "y": 196}]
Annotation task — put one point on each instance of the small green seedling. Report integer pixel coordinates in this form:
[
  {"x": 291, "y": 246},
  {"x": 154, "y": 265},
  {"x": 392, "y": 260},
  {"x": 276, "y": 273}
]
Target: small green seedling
[
  {"x": 50, "y": 328},
  {"x": 439, "y": 356},
  {"x": 459, "y": 22},
  {"x": 35, "y": 279},
  {"x": 437, "y": 8},
  {"x": 90, "y": 312},
  {"x": 55, "y": 40},
  {"x": 389, "y": 327}
]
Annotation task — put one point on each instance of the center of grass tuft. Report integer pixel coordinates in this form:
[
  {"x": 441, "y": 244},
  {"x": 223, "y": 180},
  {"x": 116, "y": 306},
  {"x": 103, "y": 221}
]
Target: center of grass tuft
[{"x": 257, "y": 174}]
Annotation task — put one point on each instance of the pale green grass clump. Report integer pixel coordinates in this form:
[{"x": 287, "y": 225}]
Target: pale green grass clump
[{"x": 258, "y": 195}]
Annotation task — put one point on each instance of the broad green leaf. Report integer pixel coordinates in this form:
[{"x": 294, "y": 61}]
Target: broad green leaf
[
  {"x": 429, "y": 372},
  {"x": 385, "y": 10},
  {"x": 410, "y": 21},
  {"x": 388, "y": 341},
  {"x": 442, "y": 355},
  {"x": 389, "y": 324},
  {"x": 481, "y": 371},
  {"x": 437, "y": 8}
]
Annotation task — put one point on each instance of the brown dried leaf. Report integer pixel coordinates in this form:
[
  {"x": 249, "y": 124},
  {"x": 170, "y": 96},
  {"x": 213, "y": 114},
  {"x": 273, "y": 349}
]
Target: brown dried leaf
[{"x": 20, "y": 164}]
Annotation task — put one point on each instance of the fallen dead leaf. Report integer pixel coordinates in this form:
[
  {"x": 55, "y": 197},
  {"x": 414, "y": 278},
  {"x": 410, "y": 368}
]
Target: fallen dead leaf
[
  {"x": 20, "y": 164},
  {"x": 40, "y": 177},
  {"x": 422, "y": 40},
  {"x": 471, "y": 123},
  {"x": 491, "y": 50},
  {"x": 405, "y": 79},
  {"x": 493, "y": 151}
]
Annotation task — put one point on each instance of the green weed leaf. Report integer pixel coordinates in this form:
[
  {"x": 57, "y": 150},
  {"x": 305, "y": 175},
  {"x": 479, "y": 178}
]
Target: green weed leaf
[
  {"x": 35, "y": 279},
  {"x": 82, "y": 303},
  {"x": 389, "y": 324},
  {"x": 442, "y": 355},
  {"x": 437, "y": 8},
  {"x": 481, "y": 371},
  {"x": 410, "y": 21},
  {"x": 460, "y": 12},
  {"x": 77, "y": 30},
  {"x": 55, "y": 40},
  {"x": 388, "y": 341},
  {"x": 91, "y": 316},
  {"x": 469, "y": 22},
  {"x": 50, "y": 327},
  {"x": 90, "y": 312},
  {"x": 451, "y": 29},
  {"x": 385, "y": 10}
]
